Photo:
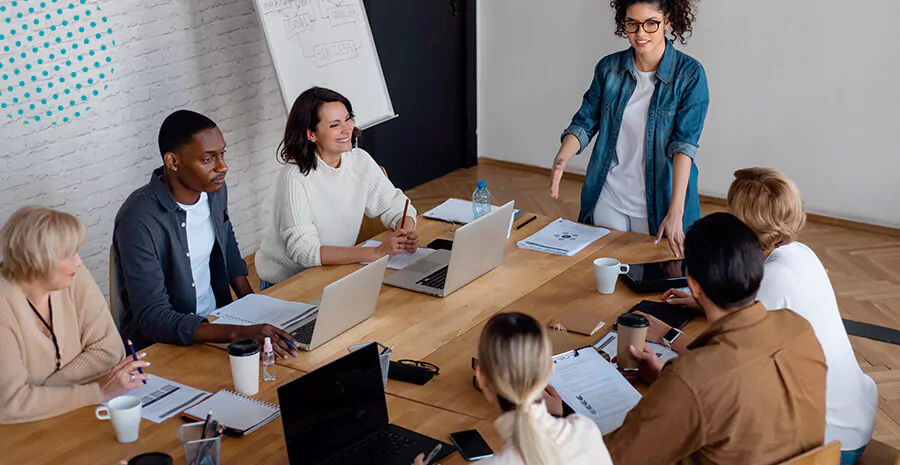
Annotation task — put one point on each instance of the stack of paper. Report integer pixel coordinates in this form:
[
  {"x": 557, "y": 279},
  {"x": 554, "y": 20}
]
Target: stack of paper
[
  {"x": 399, "y": 262},
  {"x": 594, "y": 388},
  {"x": 255, "y": 309},
  {"x": 563, "y": 237},
  {"x": 458, "y": 211},
  {"x": 609, "y": 344}
]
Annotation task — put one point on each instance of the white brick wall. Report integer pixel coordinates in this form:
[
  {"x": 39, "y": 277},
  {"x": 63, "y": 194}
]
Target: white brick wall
[{"x": 209, "y": 56}]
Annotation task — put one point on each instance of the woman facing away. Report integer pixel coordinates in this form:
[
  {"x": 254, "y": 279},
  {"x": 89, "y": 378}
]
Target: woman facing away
[{"x": 646, "y": 106}]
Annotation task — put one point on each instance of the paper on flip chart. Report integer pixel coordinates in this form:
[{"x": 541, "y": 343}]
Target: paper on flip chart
[
  {"x": 255, "y": 309},
  {"x": 609, "y": 344},
  {"x": 162, "y": 399},
  {"x": 594, "y": 387},
  {"x": 563, "y": 237},
  {"x": 401, "y": 261}
]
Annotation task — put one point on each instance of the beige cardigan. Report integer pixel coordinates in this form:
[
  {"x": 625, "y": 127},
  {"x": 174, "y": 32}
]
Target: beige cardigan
[{"x": 30, "y": 386}]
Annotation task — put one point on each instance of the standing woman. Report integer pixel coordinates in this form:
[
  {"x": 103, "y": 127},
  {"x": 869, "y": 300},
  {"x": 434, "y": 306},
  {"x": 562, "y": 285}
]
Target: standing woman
[{"x": 646, "y": 105}]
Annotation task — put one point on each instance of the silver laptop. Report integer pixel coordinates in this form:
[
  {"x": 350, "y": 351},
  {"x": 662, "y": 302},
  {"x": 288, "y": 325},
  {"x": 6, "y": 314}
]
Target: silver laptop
[
  {"x": 478, "y": 247},
  {"x": 345, "y": 303}
]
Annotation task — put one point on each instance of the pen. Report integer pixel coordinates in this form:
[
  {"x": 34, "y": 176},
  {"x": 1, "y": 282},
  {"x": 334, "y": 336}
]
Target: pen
[
  {"x": 289, "y": 343},
  {"x": 529, "y": 220},
  {"x": 206, "y": 424},
  {"x": 134, "y": 356},
  {"x": 433, "y": 454},
  {"x": 387, "y": 349},
  {"x": 405, "y": 210}
]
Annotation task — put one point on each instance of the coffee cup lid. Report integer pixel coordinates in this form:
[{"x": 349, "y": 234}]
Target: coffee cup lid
[
  {"x": 243, "y": 348},
  {"x": 633, "y": 320},
  {"x": 151, "y": 458}
]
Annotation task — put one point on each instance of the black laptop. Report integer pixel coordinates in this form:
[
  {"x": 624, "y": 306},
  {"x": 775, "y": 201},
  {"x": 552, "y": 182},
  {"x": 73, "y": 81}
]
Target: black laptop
[{"x": 338, "y": 415}]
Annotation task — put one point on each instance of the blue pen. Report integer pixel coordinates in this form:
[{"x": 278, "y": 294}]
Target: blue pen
[
  {"x": 289, "y": 343},
  {"x": 134, "y": 356}
]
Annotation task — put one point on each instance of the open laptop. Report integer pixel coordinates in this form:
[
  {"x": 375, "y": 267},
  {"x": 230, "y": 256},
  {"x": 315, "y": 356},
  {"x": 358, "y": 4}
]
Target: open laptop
[
  {"x": 478, "y": 247},
  {"x": 337, "y": 414},
  {"x": 345, "y": 303}
]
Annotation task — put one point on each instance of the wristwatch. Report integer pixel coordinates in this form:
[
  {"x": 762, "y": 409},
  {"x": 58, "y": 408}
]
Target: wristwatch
[{"x": 670, "y": 337}]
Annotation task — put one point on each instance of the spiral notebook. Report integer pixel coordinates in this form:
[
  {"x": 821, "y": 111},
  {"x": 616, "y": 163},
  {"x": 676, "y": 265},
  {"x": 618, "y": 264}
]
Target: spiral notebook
[
  {"x": 239, "y": 414},
  {"x": 255, "y": 309}
]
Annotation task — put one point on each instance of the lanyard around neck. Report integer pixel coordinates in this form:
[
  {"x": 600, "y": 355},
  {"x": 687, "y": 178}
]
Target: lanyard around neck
[{"x": 49, "y": 328}]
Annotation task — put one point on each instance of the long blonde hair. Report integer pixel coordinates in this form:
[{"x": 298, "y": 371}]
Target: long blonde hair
[{"x": 515, "y": 358}]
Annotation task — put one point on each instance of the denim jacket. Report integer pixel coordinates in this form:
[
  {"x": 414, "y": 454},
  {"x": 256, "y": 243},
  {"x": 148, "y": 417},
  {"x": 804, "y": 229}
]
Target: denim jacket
[{"x": 674, "y": 123}]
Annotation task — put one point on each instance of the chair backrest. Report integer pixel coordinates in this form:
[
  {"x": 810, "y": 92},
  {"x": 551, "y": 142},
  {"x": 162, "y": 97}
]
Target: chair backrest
[
  {"x": 115, "y": 304},
  {"x": 828, "y": 454},
  {"x": 370, "y": 227}
]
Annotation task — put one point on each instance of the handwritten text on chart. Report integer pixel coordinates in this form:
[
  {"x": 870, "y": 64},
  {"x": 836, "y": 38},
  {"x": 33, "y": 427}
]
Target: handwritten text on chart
[
  {"x": 297, "y": 24},
  {"x": 342, "y": 15},
  {"x": 334, "y": 52},
  {"x": 269, "y": 6}
]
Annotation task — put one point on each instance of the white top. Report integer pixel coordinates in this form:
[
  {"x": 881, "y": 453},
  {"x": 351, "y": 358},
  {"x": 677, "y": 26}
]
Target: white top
[
  {"x": 325, "y": 208},
  {"x": 626, "y": 184},
  {"x": 201, "y": 238},
  {"x": 795, "y": 279},
  {"x": 578, "y": 438}
]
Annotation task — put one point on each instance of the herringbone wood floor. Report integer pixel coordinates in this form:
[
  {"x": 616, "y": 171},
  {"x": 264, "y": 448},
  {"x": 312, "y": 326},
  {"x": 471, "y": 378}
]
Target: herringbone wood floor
[{"x": 864, "y": 268}]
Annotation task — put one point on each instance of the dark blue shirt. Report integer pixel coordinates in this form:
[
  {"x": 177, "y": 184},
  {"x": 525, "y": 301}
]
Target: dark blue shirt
[
  {"x": 674, "y": 123},
  {"x": 154, "y": 283}
]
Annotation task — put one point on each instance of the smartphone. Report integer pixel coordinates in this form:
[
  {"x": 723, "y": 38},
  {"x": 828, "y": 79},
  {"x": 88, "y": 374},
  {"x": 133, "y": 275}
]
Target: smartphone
[
  {"x": 471, "y": 445},
  {"x": 440, "y": 244}
]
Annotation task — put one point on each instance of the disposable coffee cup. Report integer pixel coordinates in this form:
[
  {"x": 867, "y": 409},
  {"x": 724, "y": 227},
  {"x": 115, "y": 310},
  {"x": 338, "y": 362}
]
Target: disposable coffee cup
[
  {"x": 632, "y": 332},
  {"x": 125, "y": 414},
  {"x": 151, "y": 458},
  {"x": 244, "y": 356},
  {"x": 606, "y": 273}
]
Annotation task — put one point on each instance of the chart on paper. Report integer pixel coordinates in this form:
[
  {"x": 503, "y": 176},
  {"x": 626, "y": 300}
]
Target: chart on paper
[{"x": 326, "y": 43}]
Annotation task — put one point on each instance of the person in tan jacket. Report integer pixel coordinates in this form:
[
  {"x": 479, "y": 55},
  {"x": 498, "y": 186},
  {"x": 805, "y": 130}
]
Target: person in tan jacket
[
  {"x": 56, "y": 333},
  {"x": 751, "y": 389}
]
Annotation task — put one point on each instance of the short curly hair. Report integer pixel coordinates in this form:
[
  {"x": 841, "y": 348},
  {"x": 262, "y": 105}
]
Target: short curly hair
[{"x": 682, "y": 14}]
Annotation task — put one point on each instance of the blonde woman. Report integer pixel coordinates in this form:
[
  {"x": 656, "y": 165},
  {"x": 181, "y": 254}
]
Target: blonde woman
[
  {"x": 514, "y": 369},
  {"x": 56, "y": 333},
  {"x": 795, "y": 279}
]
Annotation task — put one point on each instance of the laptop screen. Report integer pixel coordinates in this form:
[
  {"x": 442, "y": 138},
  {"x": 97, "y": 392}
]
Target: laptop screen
[{"x": 333, "y": 407}]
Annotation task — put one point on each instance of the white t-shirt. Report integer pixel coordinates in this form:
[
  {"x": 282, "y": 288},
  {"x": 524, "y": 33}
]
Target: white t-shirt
[
  {"x": 795, "y": 279},
  {"x": 201, "y": 238},
  {"x": 626, "y": 184}
]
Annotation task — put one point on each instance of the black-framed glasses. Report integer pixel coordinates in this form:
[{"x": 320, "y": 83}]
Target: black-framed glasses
[
  {"x": 417, "y": 363},
  {"x": 650, "y": 26}
]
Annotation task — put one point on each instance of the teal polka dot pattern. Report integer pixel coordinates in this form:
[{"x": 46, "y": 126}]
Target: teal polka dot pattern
[{"x": 58, "y": 46}]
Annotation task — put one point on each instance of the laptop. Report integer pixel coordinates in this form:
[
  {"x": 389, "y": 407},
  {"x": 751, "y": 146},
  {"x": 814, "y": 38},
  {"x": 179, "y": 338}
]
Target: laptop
[
  {"x": 338, "y": 414},
  {"x": 345, "y": 303},
  {"x": 478, "y": 247}
]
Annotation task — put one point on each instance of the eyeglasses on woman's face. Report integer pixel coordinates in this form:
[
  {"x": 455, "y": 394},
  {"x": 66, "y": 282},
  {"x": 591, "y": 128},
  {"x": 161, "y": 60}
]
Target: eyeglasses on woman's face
[{"x": 650, "y": 26}]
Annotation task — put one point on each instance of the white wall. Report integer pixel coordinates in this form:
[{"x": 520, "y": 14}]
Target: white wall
[
  {"x": 206, "y": 55},
  {"x": 805, "y": 87}
]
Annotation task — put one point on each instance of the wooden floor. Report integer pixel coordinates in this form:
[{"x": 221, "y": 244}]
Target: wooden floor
[{"x": 864, "y": 268}]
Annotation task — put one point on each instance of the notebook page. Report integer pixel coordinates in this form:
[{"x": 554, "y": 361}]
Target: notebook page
[
  {"x": 235, "y": 411},
  {"x": 257, "y": 309}
]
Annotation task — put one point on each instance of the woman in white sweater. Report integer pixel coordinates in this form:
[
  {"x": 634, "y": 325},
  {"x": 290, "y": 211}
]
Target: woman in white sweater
[
  {"x": 323, "y": 191},
  {"x": 795, "y": 279},
  {"x": 514, "y": 367}
]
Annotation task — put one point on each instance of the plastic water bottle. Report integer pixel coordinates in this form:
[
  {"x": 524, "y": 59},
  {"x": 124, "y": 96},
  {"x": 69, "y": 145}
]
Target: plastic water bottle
[
  {"x": 481, "y": 200},
  {"x": 268, "y": 361}
]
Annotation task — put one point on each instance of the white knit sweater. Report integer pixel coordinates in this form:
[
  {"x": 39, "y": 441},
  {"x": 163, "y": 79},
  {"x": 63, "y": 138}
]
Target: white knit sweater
[{"x": 325, "y": 208}]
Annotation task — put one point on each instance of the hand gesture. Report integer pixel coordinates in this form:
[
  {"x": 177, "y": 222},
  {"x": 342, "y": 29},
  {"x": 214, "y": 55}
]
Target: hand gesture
[
  {"x": 676, "y": 297},
  {"x": 123, "y": 378},
  {"x": 559, "y": 166},
  {"x": 671, "y": 228},
  {"x": 281, "y": 340},
  {"x": 649, "y": 365}
]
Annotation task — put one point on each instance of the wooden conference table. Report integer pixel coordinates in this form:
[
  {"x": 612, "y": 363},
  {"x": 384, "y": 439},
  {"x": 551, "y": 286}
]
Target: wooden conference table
[{"x": 441, "y": 331}]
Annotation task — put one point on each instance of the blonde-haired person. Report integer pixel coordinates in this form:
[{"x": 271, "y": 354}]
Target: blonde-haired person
[
  {"x": 514, "y": 368},
  {"x": 770, "y": 204},
  {"x": 56, "y": 333}
]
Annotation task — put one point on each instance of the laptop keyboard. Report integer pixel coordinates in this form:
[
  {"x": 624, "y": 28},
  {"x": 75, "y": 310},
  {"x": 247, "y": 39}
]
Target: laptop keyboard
[
  {"x": 372, "y": 450},
  {"x": 435, "y": 280},
  {"x": 304, "y": 333}
]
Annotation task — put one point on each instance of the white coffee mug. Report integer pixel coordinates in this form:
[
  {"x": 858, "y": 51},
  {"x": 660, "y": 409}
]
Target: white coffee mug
[
  {"x": 606, "y": 273},
  {"x": 125, "y": 413},
  {"x": 244, "y": 356}
]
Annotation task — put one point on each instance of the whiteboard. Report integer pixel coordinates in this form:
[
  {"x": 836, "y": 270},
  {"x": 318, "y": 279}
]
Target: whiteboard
[{"x": 326, "y": 43}]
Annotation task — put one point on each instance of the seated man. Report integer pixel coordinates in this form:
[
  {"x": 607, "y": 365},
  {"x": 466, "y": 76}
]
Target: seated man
[
  {"x": 174, "y": 248},
  {"x": 752, "y": 388}
]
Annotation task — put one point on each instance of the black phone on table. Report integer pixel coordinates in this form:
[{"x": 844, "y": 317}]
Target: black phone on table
[
  {"x": 440, "y": 244},
  {"x": 471, "y": 445}
]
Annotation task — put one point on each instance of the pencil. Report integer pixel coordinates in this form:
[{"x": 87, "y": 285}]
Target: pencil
[
  {"x": 405, "y": 210},
  {"x": 134, "y": 356}
]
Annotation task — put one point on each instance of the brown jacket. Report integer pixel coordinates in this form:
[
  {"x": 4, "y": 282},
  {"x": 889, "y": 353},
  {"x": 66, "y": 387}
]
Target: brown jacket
[{"x": 750, "y": 391}]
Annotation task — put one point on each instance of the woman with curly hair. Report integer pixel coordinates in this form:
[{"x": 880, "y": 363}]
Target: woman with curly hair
[{"x": 646, "y": 105}]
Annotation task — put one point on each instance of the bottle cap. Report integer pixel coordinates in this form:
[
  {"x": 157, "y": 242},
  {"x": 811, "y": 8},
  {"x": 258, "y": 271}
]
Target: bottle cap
[
  {"x": 481, "y": 184},
  {"x": 267, "y": 346}
]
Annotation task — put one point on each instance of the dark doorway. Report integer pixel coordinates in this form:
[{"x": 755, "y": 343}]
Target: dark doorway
[{"x": 427, "y": 52}]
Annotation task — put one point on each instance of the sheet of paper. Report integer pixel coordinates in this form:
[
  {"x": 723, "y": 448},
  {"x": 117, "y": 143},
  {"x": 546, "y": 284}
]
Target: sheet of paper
[
  {"x": 162, "y": 399},
  {"x": 594, "y": 388},
  {"x": 609, "y": 344},
  {"x": 562, "y": 237},
  {"x": 255, "y": 309},
  {"x": 399, "y": 262}
]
